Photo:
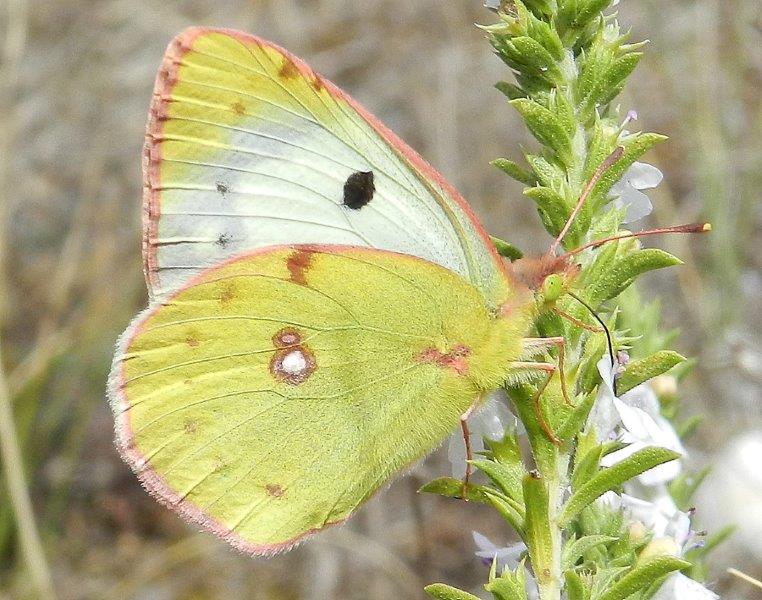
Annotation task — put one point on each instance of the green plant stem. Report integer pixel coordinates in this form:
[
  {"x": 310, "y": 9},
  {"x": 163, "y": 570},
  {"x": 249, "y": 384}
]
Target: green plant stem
[
  {"x": 552, "y": 463},
  {"x": 29, "y": 538},
  {"x": 550, "y": 589},
  {"x": 556, "y": 471}
]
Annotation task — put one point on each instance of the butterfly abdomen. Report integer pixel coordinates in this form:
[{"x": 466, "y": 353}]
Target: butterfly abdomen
[{"x": 491, "y": 360}]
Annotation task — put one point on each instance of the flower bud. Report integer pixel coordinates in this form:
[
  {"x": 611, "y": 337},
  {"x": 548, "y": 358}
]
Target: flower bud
[
  {"x": 637, "y": 531},
  {"x": 660, "y": 546},
  {"x": 665, "y": 386}
]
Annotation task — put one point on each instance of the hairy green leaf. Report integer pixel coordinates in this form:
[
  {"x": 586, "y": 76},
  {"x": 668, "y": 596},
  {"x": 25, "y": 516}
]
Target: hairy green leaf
[
  {"x": 576, "y": 420},
  {"x": 625, "y": 270},
  {"x": 638, "y": 371},
  {"x": 507, "y": 479},
  {"x": 614, "y": 79},
  {"x": 511, "y": 90},
  {"x": 588, "y": 10},
  {"x": 574, "y": 550},
  {"x": 511, "y": 585},
  {"x": 509, "y": 509},
  {"x": 512, "y": 169},
  {"x": 539, "y": 529},
  {"x": 440, "y": 591},
  {"x": 551, "y": 206},
  {"x": 575, "y": 587},
  {"x": 586, "y": 466},
  {"x": 545, "y": 126},
  {"x": 642, "y": 576},
  {"x": 505, "y": 249},
  {"x": 450, "y": 487},
  {"x": 613, "y": 477},
  {"x": 549, "y": 175},
  {"x": 505, "y": 451},
  {"x": 535, "y": 56}
]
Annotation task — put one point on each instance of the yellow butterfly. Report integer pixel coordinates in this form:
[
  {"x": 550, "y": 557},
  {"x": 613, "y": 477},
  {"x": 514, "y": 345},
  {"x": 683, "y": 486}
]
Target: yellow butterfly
[{"x": 324, "y": 305}]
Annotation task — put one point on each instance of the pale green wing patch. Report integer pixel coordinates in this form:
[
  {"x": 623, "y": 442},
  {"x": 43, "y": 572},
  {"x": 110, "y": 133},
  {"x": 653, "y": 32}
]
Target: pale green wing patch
[
  {"x": 274, "y": 394},
  {"x": 247, "y": 147}
]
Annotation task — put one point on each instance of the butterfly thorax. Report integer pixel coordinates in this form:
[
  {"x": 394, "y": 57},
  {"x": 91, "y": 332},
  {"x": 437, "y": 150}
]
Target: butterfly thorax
[{"x": 534, "y": 271}]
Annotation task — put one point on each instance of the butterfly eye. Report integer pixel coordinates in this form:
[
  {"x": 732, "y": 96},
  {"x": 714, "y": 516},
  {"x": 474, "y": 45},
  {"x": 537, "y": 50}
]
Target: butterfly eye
[{"x": 552, "y": 287}]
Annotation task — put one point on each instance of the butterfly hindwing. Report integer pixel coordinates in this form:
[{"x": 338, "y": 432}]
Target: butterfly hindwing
[
  {"x": 273, "y": 394},
  {"x": 247, "y": 147}
]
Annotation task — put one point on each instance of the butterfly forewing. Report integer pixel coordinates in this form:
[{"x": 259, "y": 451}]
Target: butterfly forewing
[{"x": 247, "y": 147}]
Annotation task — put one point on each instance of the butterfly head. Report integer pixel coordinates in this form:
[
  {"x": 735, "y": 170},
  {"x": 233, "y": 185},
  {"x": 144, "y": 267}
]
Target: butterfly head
[{"x": 548, "y": 276}]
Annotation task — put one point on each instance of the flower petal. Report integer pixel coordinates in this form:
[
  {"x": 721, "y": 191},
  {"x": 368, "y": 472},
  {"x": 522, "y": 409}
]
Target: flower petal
[
  {"x": 507, "y": 556},
  {"x": 483, "y": 543},
  {"x": 493, "y": 419},
  {"x": 604, "y": 416},
  {"x": 679, "y": 587},
  {"x": 643, "y": 397},
  {"x": 643, "y": 176},
  {"x": 640, "y": 176},
  {"x": 661, "y": 516},
  {"x": 636, "y": 203}
]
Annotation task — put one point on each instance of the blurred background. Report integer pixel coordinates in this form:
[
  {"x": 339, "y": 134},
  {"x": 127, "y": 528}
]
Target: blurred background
[{"x": 75, "y": 81}]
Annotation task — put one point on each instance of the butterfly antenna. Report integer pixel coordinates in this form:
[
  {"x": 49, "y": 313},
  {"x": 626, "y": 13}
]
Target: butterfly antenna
[
  {"x": 602, "y": 324},
  {"x": 602, "y": 168},
  {"x": 690, "y": 228}
]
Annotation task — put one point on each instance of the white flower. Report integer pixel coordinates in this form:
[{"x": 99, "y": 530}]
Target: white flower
[
  {"x": 640, "y": 176},
  {"x": 642, "y": 428},
  {"x": 679, "y": 587},
  {"x": 604, "y": 416},
  {"x": 662, "y": 517},
  {"x": 490, "y": 420},
  {"x": 669, "y": 526},
  {"x": 640, "y": 424},
  {"x": 507, "y": 556}
]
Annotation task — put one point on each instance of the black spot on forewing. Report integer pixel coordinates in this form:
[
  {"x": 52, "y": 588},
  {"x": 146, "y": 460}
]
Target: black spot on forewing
[
  {"x": 222, "y": 188},
  {"x": 224, "y": 240},
  {"x": 359, "y": 189}
]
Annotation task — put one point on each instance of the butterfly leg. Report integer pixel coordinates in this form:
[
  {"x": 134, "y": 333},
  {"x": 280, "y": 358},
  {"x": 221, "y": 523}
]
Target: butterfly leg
[
  {"x": 469, "y": 455},
  {"x": 574, "y": 320},
  {"x": 536, "y": 345},
  {"x": 550, "y": 369},
  {"x": 467, "y": 441}
]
